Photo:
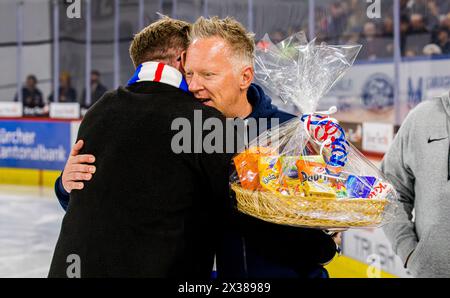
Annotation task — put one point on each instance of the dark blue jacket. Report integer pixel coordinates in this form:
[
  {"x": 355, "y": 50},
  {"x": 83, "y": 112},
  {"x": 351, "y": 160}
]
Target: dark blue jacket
[
  {"x": 252, "y": 248},
  {"x": 263, "y": 107}
]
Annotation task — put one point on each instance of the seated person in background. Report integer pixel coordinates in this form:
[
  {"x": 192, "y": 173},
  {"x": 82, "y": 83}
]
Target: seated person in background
[
  {"x": 404, "y": 28},
  {"x": 445, "y": 22},
  {"x": 410, "y": 53},
  {"x": 387, "y": 36},
  {"x": 66, "y": 92},
  {"x": 373, "y": 46},
  {"x": 443, "y": 41},
  {"x": 418, "y": 35},
  {"x": 31, "y": 96},
  {"x": 97, "y": 90},
  {"x": 443, "y": 5}
]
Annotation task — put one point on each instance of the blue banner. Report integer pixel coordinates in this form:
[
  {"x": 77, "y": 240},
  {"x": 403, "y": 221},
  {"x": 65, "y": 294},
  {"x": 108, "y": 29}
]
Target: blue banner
[{"x": 34, "y": 144}]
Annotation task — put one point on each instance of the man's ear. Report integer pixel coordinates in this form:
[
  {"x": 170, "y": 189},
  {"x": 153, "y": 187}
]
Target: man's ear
[
  {"x": 247, "y": 76},
  {"x": 183, "y": 61}
]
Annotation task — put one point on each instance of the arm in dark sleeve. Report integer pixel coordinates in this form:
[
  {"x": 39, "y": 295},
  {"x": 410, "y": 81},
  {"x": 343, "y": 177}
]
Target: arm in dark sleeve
[
  {"x": 41, "y": 102},
  {"x": 62, "y": 195},
  {"x": 216, "y": 168},
  {"x": 214, "y": 161},
  {"x": 74, "y": 95}
]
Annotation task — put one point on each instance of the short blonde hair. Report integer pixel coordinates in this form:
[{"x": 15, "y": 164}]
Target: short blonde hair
[
  {"x": 160, "y": 41},
  {"x": 241, "y": 41}
]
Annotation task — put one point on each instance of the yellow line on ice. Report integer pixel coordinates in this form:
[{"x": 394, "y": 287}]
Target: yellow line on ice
[
  {"x": 345, "y": 267},
  {"x": 28, "y": 177}
]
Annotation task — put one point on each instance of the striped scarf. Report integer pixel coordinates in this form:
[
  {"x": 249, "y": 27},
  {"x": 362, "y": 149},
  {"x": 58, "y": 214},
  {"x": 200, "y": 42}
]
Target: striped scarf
[{"x": 159, "y": 72}]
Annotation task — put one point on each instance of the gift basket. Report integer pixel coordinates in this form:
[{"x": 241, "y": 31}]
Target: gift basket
[{"x": 305, "y": 172}]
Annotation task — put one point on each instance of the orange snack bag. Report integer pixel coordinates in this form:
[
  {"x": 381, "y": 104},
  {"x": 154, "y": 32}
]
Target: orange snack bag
[
  {"x": 247, "y": 166},
  {"x": 311, "y": 167}
]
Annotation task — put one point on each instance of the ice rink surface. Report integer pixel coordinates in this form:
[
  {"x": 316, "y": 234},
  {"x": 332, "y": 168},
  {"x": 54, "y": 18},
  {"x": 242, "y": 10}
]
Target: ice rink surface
[{"x": 30, "y": 219}]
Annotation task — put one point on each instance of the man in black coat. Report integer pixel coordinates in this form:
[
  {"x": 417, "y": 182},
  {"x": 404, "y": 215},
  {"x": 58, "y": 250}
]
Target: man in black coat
[
  {"x": 148, "y": 210},
  {"x": 31, "y": 95}
]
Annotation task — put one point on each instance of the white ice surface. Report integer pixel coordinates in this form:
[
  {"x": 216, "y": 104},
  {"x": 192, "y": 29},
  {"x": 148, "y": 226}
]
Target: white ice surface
[{"x": 30, "y": 220}]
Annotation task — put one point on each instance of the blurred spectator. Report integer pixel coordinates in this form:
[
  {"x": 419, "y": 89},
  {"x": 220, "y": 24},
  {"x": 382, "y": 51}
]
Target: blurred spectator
[
  {"x": 432, "y": 50},
  {"x": 388, "y": 27},
  {"x": 418, "y": 35},
  {"x": 419, "y": 20},
  {"x": 66, "y": 92},
  {"x": 277, "y": 36},
  {"x": 443, "y": 41},
  {"x": 337, "y": 23},
  {"x": 432, "y": 14},
  {"x": 417, "y": 24},
  {"x": 97, "y": 90},
  {"x": 410, "y": 53},
  {"x": 388, "y": 36},
  {"x": 418, "y": 6},
  {"x": 430, "y": 9},
  {"x": 445, "y": 22},
  {"x": 357, "y": 17},
  {"x": 31, "y": 95},
  {"x": 444, "y": 6},
  {"x": 405, "y": 7},
  {"x": 404, "y": 29},
  {"x": 346, "y": 21},
  {"x": 353, "y": 37},
  {"x": 373, "y": 47},
  {"x": 298, "y": 28},
  {"x": 321, "y": 23}
]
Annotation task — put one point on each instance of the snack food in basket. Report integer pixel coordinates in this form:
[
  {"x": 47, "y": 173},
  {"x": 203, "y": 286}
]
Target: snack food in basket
[
  {"x": 269, "y": 172},
  {"x": 248, "y": 166}
]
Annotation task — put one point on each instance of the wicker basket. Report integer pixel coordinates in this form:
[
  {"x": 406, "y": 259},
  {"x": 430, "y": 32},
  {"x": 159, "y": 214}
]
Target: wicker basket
[{"x": 318, "y": 212}]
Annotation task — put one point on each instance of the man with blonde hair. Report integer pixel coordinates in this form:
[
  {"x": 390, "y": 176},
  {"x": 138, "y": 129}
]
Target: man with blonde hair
[{"x": 219, "y": 66}]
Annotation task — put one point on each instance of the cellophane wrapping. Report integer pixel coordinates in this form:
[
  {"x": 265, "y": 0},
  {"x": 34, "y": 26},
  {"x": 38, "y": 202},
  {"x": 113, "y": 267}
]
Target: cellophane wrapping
[{"x": 305, "y": 172}]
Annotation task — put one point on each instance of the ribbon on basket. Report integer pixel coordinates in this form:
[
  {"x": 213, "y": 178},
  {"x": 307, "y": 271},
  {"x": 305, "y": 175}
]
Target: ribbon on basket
[{"x": 328, "y": 134}]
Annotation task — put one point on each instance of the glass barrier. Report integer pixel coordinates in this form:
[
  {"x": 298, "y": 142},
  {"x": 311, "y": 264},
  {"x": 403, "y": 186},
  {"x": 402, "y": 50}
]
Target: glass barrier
[
  {"x": 381, "y": 87},
  {"x": 8, "y": 51}
]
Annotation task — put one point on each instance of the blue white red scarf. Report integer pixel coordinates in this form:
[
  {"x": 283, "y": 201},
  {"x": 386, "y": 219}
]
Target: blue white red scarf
[{"x": 159, "y": 72}]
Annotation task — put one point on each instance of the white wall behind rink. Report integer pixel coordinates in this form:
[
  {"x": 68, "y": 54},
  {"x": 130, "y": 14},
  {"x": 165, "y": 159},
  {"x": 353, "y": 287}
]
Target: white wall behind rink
[{"x": 37, "y": 59}]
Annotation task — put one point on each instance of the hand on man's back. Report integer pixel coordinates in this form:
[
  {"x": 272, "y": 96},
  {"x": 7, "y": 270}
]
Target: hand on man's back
[{"x": 78, "y": 168}]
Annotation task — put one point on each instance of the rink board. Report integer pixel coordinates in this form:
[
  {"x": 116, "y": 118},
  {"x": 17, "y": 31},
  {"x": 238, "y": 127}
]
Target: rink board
[
  {"x": 34, "y": 151},
  {"x": 347, "y": 267},
  {"x": 29, "y": 177}
]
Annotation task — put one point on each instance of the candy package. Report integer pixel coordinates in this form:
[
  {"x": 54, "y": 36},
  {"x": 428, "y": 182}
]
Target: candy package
[{"x": 305, "y": 172}]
